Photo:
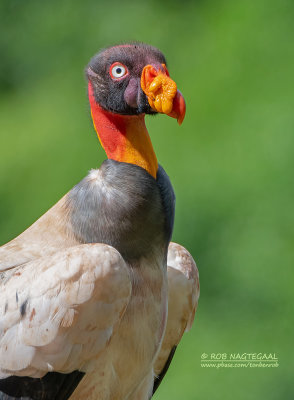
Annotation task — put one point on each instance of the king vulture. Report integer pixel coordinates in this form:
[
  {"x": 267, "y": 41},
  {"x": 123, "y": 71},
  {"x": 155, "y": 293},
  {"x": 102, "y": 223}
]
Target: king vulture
[{"x": 93, "y": 296}]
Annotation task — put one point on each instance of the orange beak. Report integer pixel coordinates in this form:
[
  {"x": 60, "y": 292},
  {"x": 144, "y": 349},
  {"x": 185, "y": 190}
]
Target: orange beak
[{"x": 162, "y": 92}]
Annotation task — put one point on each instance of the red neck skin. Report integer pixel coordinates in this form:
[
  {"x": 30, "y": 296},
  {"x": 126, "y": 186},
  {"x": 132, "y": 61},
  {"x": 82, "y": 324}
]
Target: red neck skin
[{"x": 123, "y": 137}]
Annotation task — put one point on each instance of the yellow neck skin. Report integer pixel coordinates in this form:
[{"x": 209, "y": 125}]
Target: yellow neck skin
[{"x": 136, "y": 147}]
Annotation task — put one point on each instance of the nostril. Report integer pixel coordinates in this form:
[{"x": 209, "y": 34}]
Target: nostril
[{"x": 131, "y": 92}]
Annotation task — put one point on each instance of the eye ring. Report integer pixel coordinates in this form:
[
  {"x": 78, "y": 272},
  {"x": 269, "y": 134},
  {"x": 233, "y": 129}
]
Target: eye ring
[{"x": 118, "y": 71}]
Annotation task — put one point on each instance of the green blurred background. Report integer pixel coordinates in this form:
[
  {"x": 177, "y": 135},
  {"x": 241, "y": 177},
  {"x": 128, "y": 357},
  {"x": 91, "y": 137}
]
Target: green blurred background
[{"x": 231, "y": 162}]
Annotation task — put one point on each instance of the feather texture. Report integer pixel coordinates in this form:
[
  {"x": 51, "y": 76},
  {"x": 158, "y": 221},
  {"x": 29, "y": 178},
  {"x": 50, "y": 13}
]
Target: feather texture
[
  {"x": 183, "y": 295},
  {"x": 62, "y": 293},
  {"x": 67, "y": 305}
]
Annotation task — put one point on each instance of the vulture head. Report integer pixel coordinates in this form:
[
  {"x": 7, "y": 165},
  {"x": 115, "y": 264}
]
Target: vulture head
[
  {"x": 132, "y": 79},
  {"x": 125, "y": 82}
]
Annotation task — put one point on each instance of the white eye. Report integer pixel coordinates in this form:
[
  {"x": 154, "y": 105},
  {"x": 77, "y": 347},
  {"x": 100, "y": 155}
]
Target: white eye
[{"x": 118, "y": 71}]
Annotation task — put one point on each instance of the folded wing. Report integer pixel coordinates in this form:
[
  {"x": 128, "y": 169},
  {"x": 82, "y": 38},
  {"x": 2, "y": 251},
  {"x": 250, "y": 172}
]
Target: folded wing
[
  {"x": 47, "y": 308},
  {"x": 183, "y": 294}
]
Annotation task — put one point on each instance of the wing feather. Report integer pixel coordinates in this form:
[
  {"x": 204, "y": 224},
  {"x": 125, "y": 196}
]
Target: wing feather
[
  {"x": 48, "y": 304},
  {"x": 183, "y": 294}
]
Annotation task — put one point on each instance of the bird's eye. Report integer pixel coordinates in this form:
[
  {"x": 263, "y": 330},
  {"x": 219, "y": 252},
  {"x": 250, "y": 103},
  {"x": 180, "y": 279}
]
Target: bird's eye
[{"x": 118, "y": 70}]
